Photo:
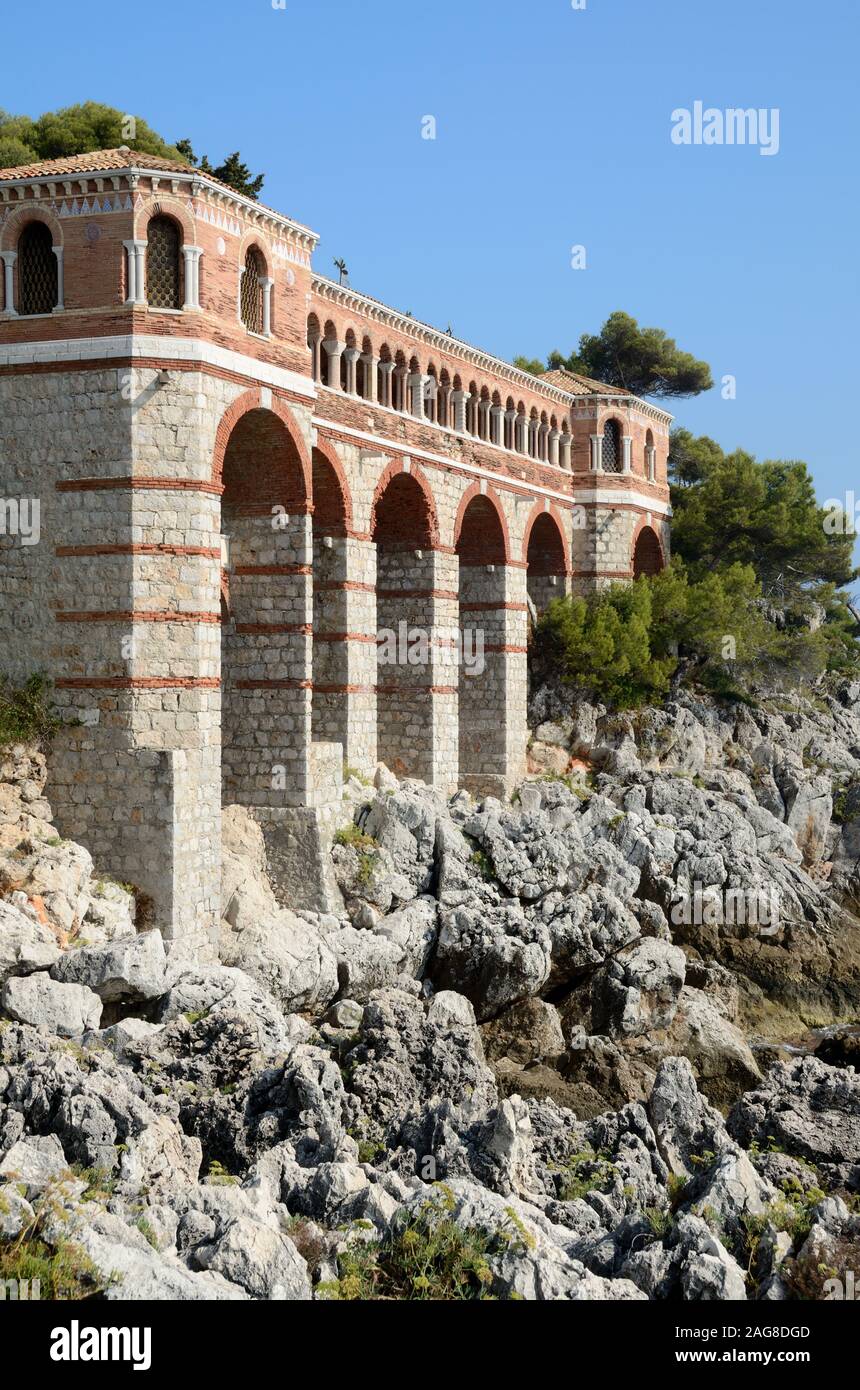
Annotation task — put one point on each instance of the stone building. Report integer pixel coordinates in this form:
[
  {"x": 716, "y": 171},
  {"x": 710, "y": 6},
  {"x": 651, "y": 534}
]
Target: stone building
[{"x": 241, "y": 473}]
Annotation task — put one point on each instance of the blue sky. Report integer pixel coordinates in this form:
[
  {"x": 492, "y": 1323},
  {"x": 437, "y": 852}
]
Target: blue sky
[{"x": 553, "y": 129}]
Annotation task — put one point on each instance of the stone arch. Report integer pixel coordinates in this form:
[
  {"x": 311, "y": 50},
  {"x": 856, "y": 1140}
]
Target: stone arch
[
  {"x": 263, "y": 467},
  {"x": 408, "y": 599},
  {"x": 421, "y": 530},
  {"x": 334, "y": 606},
  {"x": 498, "y": 554},
  {"x": 485, "y": 672},
  {"x": 332, "y": 503},
  {"x": 647, "y": 552},
  {"x": 251, "y": 401},
  {"x": 546, "y": 556}
]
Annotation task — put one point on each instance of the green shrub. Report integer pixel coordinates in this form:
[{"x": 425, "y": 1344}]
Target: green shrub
[
  {"x": 626, "y": 644},
  {"x": 428, "y": 1258},
  {"x": 26, "y": 713}
]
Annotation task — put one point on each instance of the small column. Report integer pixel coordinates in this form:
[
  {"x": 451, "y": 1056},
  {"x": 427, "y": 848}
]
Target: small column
[
  {"x": 626, "y": 453},
  {"x": 387, "y": 370},
  {"x": 554, "y": 438},
  {"x": 314, "y": 346},
  {"x": 140, "y": 270},
  {"x": 58, "y": 252},
  {"x": 399, "y": 398},
  {"x": 136, "y": 271},
  {"x": 497, "y": 433},
  {"x": 533, "y": 430},
  {"x": 484, "y": 408},
  {"x": 458, "y": 400},
  {"x": 266, "y": 284},
  {"x": 430, "y": 395},
  {"x": 350, "y": 357},
  {"x": 543, "y": 442},
  {"x": 511, "y": 423},
  {"x": 415, "y": 382},
  {"x": 522, "y": 434},
  {"x": 370, "y": 364},
  {"x": 334, "y": 349},
  {"x": 9, "y": 259},
  {"x": 565, "y": 451},
  {"x": 597, "y": 453},
  {"x": 651, "y": 462},
  {"x": 191, "y": 255}
]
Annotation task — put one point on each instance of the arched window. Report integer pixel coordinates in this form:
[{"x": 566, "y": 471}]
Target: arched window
[
  {"x": 612, "y": 447},
  {"x": 37, "y": 270},
  {"x": 315, "y": 346},
  {"x": 251, "y": 293},
  {"x": 162, "y": 264}
]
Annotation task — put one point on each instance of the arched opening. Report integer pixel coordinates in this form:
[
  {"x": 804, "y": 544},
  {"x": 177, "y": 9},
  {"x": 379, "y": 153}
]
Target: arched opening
[
  {"x": 315, "y": 346},
  {"x": 483, "y": 672},
  {"x": 546, "y": 562},
  {"x": 251, "y": 291},
  {"x": 348, "y": 363},
  {"x": 647, "y": 554},
  {"x": 443, "y": 404},
  {"x": 365, "y": 372},
  {"x": 400, "y": 374},
  {"x": 331, "y": 625},
  {"x": 327, "y": 373},
  {"x": 383, "y": 376},
  {"x": 510, "y": 417},
  {"x": 403, "y": 531},
  {"x": 163, "y": 257},
  {"x": 472, "y": 409},
  {"x": 265, "y": 645},
  {"x": 612, "y": 462},
  {"x": 38, "y": 278},
  {"x": 431, "y": 393}
]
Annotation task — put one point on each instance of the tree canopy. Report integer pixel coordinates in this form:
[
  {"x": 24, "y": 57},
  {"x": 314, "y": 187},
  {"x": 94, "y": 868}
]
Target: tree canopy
[
  {"x": 756, "y": 589},
  {"x": 232, "y": 170},
  {"x": 93, "y": 126},
  {"x": 643, "y": 361},
  {"x": 75, "y": 130},
  {"x": 730, "y": 508}
]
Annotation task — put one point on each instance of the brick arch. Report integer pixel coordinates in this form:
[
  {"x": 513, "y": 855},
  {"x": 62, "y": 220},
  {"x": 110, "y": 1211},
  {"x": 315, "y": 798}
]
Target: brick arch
[
  {"x": 538, "y": 511},
  {"x": 493, "y": 500},
  {"x": 429, "y": 518},
  {"x": 332, "y": 513},
  {"x": 21, "y": 217},
  {"x": 242, "y": 406},
  {"x": 164, "y": 206},
  {"x": 651, "y": 557},
  {"x": 253, "y": 238}
]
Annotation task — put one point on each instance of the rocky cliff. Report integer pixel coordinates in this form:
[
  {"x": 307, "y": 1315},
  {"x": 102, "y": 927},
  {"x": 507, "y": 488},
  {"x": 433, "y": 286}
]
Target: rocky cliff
[{"x": 559, "y": 1048}]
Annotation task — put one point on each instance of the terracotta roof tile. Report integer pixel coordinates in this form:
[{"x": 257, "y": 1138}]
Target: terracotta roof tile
[
  {"x": 580, "y": 385},
  {"x": 103, "y": 161}
]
